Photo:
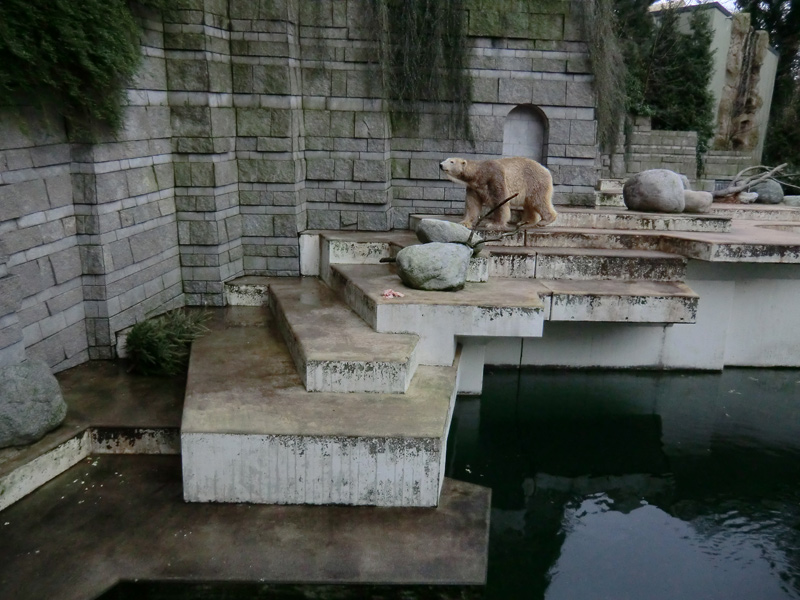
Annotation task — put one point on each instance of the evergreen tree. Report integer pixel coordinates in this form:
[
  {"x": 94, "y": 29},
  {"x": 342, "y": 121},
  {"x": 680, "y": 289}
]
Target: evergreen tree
[
  {"x": 680, "y": 71},
  {"x": 668, "y": 71}
]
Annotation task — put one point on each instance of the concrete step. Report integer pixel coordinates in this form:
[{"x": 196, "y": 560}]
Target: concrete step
[
  {"x": 368, "y": 248},
  {"x": 622, "y": 218},
  {"x": 250, "y": 290},
  {"x": 252, "y": 433},
  {"x": 507, "y": 307},
  {"x": 501, "y": 308},
  {"x": 756, "y": 212},
  {"x": 610, "y": 301},
  {"x": 602, "y": 239},
  {"x": 333, "y": 348},
  {"x": 619, "y": 219},
  {"x": 585, "y": 264}
]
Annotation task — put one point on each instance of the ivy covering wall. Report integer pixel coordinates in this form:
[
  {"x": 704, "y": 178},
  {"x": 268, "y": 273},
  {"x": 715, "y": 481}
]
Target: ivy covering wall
[
  {"x": 423, "y": 58},
  {"x": 76, "y": 56}
]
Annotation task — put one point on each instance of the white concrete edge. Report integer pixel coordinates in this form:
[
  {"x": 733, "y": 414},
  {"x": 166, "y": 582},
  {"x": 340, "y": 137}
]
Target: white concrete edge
[{"x": 28, "y": 477}]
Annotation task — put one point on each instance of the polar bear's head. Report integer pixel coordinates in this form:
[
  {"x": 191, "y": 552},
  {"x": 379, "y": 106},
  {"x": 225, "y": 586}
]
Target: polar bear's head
[{"x": 453, "y": 168}]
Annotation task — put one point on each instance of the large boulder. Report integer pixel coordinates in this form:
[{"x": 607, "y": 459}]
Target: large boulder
[
  {"x": 697, "y": 202},
  {"x": 655, "y": 190},
  {"x": 31, "y": 403},
  {"x": 436, "y": 230},
  {"x": 434, "y": 266},
  {"x": 769, "y": 192}
]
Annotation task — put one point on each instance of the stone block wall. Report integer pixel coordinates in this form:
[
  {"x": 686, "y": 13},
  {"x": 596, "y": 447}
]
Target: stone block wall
[
  {"x": 88, "y": 231},
  {"x": 123, "y": 196},
  {"x": 41, "y": 292},
  {"x": 646, "y": 148},
  {"x": 248, "y": 122}
]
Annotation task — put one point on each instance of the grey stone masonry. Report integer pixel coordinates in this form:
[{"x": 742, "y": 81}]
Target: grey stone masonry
[
  {"x": 247, "y": 123},
  {"x": 648, "y": 148},
  {"x": 123, "y": 192},
  {"x": 204, "y": 128},
  {"x": 41, "y": 305}
]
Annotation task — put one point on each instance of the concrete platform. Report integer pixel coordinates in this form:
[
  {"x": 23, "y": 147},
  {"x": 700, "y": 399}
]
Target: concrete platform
[
  {"x": 333, "y": 349},
  {"x": 622, "y": 218},
  {"x": 252, "y": 433},
  {"x": 616, "y": 218},
  {"x": 585, "y": 264},
  {"x": 109, "y": 412},
  {"x": 621, "y": 301},
  {"x": 113, "y": 518},
  {"x": 511, "y": 308}
]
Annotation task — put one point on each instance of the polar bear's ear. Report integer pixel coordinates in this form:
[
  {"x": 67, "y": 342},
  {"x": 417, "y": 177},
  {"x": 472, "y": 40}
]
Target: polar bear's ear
[{"x": 462, "y": 161}]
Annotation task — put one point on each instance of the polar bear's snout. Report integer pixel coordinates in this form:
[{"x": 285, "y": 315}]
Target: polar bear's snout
[{"x": 441, "y": 165}]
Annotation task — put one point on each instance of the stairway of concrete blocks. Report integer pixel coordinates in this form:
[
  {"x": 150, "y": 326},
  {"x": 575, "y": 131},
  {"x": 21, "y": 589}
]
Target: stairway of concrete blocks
[{"x": 337, "y": 395}]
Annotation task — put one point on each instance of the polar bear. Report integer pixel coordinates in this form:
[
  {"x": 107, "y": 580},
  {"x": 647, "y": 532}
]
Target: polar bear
[{"x": 489, "y": 182}]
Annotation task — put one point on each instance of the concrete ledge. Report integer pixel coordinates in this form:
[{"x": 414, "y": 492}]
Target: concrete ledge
[
  {"x": 335, "y": 350},
  {"x": 622, "y": 301},
  {"x": 510, "y": 307},
  {"x": 250, "y": 430},
  {"x": 586, "y": 264},
  {"x": 113, "y": 518}
]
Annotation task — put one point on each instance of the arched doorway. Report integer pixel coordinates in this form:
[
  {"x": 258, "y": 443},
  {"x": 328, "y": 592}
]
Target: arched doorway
[{"x": 525, "y": 133}]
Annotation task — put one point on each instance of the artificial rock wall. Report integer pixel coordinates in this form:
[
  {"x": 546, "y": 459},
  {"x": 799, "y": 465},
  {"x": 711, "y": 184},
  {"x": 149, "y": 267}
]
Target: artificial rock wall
[{"x": 249, "y": 121}]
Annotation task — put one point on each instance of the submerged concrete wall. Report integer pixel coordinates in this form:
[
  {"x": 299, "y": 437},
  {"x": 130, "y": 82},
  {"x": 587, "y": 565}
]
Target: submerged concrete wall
[{"x": 248, "y": 122}]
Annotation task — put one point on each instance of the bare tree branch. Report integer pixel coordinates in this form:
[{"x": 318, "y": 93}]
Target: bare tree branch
[
  {"x": 747, "y": 182},
  {"x": 479, "y": 221}
]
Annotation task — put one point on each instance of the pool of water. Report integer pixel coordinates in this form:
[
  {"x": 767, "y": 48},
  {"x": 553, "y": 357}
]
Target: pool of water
[{"x": 640, "y": 485}]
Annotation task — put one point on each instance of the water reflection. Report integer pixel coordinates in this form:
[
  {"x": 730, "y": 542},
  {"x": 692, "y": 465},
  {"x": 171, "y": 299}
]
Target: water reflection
[{"x": 637, "y": 485}]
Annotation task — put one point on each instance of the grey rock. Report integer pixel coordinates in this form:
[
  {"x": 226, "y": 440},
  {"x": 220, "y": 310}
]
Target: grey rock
[
  {"x": 687, "y": 185},
  {"x": 697, "y": 202},
  {"x": 769, "y": 192},
  {"x": 31, "y": 403},
  {"x": 437, "y": 230},
  {"x": 746, "y": 197},
  {"x": 791, "y": 200},
  {"x": 655, "y": 190},
  {"x": 434, "y": 266}
]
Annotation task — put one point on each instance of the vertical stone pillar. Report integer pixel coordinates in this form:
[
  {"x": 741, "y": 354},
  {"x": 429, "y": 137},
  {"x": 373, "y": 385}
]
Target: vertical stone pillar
[
  {"x": 197, "y": 41},
  {"x": 270, "y": 137},
  {"x": 347, "y": 147}
]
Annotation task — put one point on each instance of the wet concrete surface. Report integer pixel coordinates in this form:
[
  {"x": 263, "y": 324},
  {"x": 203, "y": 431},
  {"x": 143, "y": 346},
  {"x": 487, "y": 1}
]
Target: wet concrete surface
[
  {"x": 103, "y": 394},
  {"x": 113, "y": 518}
]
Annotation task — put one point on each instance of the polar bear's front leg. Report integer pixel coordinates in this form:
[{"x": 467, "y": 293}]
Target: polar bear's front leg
[{"x": 472, "y": 209}]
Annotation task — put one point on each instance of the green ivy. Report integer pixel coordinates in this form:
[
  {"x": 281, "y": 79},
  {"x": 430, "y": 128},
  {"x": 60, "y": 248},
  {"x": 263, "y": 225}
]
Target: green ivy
[
  {"x": 76, "y": 55},
  {"x": 610, "y": 72},
  {"x": 423, "y": 58}
]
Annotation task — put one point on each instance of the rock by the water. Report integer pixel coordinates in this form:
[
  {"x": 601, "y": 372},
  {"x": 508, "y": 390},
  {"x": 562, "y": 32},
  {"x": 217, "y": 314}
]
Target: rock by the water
[
  {"x": 655, "y": 190},
  {"x": 697, "y": 202},
  {"x": 31, "y": 403},
  {"x": 434, "y": 266},
  {"x": 437, "y": 230},
  {"x": 769, "y": 192},
  {"x": 791, "y": 200}
]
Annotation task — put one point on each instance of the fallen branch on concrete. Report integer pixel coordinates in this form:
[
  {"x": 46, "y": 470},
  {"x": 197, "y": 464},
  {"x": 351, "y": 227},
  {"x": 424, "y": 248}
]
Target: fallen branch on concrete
[
  {"x": 483, "y": 218},
  {"x": 741, "y": 185}
]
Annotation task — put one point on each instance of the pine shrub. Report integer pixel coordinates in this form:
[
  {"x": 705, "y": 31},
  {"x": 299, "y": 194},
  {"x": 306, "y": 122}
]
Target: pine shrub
[{"x": 160, "y": 346}]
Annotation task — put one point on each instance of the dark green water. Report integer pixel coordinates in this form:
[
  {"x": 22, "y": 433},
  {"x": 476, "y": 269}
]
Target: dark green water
[
  {"x": 640, "y": 485},
  {"x": 612, "y": 485}
]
